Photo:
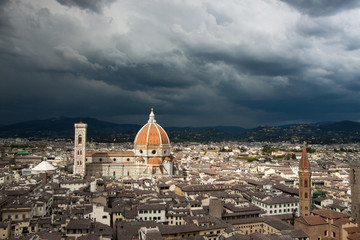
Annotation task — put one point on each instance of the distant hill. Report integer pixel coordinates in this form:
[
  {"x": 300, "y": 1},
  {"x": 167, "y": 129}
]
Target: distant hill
[
  {"x": 204, "y": 134},
  {"x": 326, "y": 132},
  {"x": 107, "y": 131},
  {"x": 64, "y": 128}
]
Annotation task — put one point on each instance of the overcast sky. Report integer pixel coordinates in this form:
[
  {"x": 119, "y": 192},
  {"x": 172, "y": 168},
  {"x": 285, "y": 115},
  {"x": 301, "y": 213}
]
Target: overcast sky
[{"x": 197, "y": 62}]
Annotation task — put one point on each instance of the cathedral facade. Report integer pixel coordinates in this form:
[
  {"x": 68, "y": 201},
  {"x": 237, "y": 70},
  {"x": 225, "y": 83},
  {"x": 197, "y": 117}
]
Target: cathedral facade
[{"x": 151, "y": 155}]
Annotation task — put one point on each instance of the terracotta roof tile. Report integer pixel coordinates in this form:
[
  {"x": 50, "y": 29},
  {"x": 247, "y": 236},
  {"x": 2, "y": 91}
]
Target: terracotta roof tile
[
  {"x": 126, "y": 153},
  {"x": 340, "y": 222},
  {"x": 351, "y": 230},
  {"x": 314, "y": 220},
  {"x": 355, "y": 236},
  {"x": 154, "y": 161},
  {"x": 330, "y": 214}
]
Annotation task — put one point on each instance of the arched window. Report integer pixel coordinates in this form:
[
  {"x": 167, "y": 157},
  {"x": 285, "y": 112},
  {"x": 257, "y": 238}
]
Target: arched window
[
  {"x": 79, "y": 139},
  {"x": 306, "y": 183},
  {"x": 306, "y": 195}
]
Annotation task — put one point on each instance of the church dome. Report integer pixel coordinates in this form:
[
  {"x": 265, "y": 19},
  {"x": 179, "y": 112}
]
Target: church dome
[
  {"x": 154, "y": 161},
  {"x": 151, "y": 133},
  {"x": 140, "y": 159}
]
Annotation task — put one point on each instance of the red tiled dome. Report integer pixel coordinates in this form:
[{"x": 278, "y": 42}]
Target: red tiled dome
[
  {"x": 154, "y": 161},
  {"x": 151, "y": 133},
  {"x": 140, "y": 159}
]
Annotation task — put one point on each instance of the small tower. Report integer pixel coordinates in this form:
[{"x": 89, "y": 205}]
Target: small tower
[
  {"x": 80, "y": 148},
  {"x": 304, "y": 184},
  {"x": 355, "y": 189}
]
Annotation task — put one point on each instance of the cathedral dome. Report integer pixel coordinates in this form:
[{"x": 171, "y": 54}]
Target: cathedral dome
[
  {"x": 154, "y": 161},
  {"x": 151, "y": 133}
]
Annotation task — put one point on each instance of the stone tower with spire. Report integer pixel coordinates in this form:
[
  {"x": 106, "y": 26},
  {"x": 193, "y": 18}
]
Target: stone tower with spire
[{"x": 304, "y": 184}]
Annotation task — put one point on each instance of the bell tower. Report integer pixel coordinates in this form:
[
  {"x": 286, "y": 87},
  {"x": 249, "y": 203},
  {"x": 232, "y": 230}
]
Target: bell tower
[
  {"x": 355, "y": 189},
  {"x": 80, "y": 148},
  {"x": 304, "y": 184}
]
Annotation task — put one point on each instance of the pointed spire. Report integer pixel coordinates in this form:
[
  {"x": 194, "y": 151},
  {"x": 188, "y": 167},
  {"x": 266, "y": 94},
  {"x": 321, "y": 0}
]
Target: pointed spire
[
  {"x": 304, "y": 162},
  {"x": 152, "y": 116}
]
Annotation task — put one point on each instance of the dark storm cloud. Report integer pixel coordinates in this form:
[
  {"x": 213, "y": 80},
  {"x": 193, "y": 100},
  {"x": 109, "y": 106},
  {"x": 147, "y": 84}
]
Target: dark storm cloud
[
  {"x": 3, "y": 18},
  {"x": 197, "y": 62},
  {"x": 323, "y": 7},
  {"x": 92, "y": 5}
]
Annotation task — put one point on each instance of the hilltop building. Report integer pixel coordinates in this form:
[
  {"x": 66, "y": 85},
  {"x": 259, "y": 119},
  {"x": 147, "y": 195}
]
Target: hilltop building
[
  {"x": 151, "y": 154},
  {"x": 304, "y": 184}
]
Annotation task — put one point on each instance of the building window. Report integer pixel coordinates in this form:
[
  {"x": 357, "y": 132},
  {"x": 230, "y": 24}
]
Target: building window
[
  {"x": 100, "y": 160},
  {"x": 325, "y": 233},
  {"x": 354, "y": 175},
  {"x": 334, "y": 235},
  {"x": 114, "y": 159},
  {"x": 306, "y": 183},
  {"x": 153, "y": 152},
  {"x": 80, "y": 139},
  {"x": 128, "y": 159}
]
